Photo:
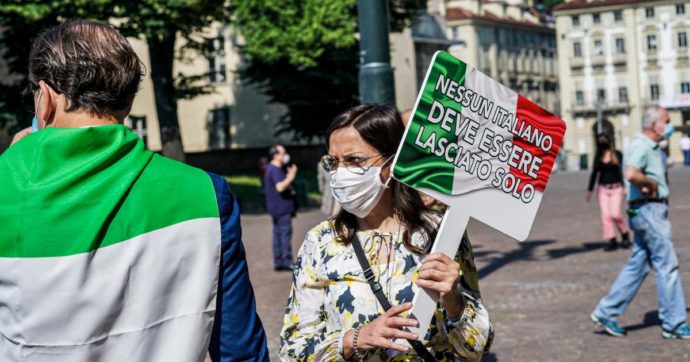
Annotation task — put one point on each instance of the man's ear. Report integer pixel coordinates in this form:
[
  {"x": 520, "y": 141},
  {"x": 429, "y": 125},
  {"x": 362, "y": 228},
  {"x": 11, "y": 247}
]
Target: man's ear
[{"x": 47, "y": 104}]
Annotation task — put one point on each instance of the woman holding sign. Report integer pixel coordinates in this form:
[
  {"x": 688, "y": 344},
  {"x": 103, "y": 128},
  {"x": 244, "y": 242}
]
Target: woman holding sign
[{"x": 357, "y": 273}]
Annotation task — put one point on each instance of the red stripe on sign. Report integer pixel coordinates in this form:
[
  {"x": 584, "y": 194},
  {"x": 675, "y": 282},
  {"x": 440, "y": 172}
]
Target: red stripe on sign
[{"x": 533, "y": 126}]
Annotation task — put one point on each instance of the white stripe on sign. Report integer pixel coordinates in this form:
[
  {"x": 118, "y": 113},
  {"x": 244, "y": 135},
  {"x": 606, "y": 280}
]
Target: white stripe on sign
[
  {"x": 152, "y": 297},
  {"x": 500, "y": 96}
]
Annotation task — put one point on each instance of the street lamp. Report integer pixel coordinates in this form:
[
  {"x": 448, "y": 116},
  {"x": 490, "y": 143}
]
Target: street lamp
[{"x": 376, "y": 82}]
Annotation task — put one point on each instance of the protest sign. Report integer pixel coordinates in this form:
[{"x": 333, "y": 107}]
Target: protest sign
[{"x": 480, "y": 148}]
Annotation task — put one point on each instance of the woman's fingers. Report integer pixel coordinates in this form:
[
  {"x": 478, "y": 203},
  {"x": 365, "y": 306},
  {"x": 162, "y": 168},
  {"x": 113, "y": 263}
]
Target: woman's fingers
[
  {"x": 398, "y": 333},
  {"x": 443, "y": 258},
  {"x": 437, "y": 275},
  {"x": 441, "y": 287},
  {"x": 399, "y": 322},
  {"x": 434, "y": 264},
  {"x": 385, "y": 343},
  {"x": 394, "y": 311}
]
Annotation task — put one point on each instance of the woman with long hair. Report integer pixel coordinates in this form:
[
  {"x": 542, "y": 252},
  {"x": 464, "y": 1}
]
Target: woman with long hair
[
  {"x": 607, "y": 170},
  {"x": 337, "y": 311}
]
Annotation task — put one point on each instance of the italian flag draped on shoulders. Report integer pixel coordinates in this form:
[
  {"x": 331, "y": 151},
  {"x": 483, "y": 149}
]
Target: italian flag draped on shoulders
[{"x": 110, "y": 252}]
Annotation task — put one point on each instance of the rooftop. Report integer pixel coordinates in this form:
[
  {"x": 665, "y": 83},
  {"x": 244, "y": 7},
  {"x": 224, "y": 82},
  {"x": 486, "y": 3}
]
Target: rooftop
[
  {"x": 464, "y": 14},
  {"x": 591, "y": 4}
]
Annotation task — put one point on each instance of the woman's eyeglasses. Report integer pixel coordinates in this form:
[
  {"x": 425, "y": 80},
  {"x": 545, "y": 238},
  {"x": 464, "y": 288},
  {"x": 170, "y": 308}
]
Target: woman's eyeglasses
[{"x": 354, "y": 164}]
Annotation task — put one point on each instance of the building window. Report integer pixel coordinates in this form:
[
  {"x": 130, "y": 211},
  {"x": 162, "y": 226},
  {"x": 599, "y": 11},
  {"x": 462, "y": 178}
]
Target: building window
[
  {"x": 682, "y": 39},
  {"x": 618, "y": 16},
  {"x": 216, "y": 60},
  {"x": 685, "y": 87},
  {"x": 576, "y": 20},
  {"x": 138, "y": 125},
  {"x": 680, "y": 9},
  {"x": 596, "y": 18},
  {"x": 219, "y": 130},
  {"x": 579, "y": 98},
  {"x": 598, "y": 48},
  {"x": 651, "y": 42},
  {"x": 649, "y": 12},
  {"x": 577, "y": 49},
  {"x": 601, "y": 95},
  {"x": 654, "y": 91},
  {"x": 620, "y": 46},
  {"x": 623, "y": 95}
]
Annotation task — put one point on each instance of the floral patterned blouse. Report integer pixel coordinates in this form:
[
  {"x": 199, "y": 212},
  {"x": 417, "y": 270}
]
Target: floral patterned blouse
[{"x": 330, "y": 296}]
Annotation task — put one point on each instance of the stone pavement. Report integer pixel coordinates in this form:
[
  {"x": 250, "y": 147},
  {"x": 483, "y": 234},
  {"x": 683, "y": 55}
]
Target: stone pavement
[{"x": 539, "y": 293}]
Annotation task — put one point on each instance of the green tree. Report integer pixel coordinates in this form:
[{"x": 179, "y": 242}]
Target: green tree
[
  {"x": 305, "y": 54},
  {"x": 160, "y": 22}
]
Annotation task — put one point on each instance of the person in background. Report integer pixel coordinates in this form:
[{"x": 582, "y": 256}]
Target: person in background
[
  {"x": 108, "y": 251},
  {"x": 328, "y": 204},
  {"x": 653, "y": 246},
  {"x": 280, "y": 204},
  {"x": 263, "y": 162},
  {"x": 684, "y": 144},
  {"x": 607, "y": 172}
]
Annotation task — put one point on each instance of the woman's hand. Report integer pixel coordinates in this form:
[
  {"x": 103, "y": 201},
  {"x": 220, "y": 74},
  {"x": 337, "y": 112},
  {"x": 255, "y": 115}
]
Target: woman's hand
[
  {"x": 440, "y": 273},
  {"x": 380, "y": 332}
]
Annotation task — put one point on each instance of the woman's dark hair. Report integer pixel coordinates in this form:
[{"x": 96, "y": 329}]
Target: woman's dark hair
[
  {"x": 89, "y": 62},
  {"x": 381, "y": 127},
  {"x": 600, "y": 150}
]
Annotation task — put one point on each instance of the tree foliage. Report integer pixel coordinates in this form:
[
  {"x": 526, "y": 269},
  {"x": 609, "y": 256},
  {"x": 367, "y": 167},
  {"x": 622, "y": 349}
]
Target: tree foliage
[
  {"x": 305, "y": 54},
  {"x": 159, "y": 22}
]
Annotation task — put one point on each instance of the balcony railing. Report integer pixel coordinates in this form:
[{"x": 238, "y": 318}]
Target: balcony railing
[
  {"x": 652, "y": 54},
  {"x": 598, "y": 60},
  {"x": 620, "y": 58},
  {"x": 577, "y": 62},
  {"x": 610, "y": 105}
]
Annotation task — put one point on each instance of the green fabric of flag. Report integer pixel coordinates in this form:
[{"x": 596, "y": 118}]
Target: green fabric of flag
[
  {"x": 416, "y": 166},
  {"x": 65, "y": 191}
]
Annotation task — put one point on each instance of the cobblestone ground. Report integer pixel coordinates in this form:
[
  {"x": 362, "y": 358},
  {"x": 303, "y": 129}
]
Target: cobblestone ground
[{"x": 539, "y": 293}]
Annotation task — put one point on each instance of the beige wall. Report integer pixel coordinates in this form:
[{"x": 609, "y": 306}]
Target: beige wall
[{"x": 252, "y": 118}]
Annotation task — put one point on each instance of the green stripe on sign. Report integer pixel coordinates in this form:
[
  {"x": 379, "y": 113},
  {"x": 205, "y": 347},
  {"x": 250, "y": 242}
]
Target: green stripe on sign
[
  {"x": 66, "y": 191},
  {"x": 417, "y": 166}
]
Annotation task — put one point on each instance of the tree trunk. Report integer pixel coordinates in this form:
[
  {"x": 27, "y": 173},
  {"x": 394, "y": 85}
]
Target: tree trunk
[{"x": 162, "y": 55}]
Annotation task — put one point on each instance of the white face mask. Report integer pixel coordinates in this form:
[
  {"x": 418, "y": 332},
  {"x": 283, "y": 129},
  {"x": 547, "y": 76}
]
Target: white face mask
[{"x": 358, "y": 193}]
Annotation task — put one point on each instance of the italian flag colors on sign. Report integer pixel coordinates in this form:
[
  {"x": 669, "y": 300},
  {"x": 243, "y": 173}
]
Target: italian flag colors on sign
[{"x": 469, "y": 132}]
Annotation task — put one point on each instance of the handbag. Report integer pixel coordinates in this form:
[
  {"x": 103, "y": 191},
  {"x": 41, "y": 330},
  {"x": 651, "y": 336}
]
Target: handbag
[{"x": 378, "y": 292}]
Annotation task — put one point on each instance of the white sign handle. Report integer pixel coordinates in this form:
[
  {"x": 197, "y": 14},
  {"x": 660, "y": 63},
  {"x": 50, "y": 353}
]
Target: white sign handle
[{"x": 448, "y": 239}]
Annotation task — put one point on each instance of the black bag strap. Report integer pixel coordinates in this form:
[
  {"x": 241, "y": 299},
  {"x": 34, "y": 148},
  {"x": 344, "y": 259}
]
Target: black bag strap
[{"x": 378, "y": 292}]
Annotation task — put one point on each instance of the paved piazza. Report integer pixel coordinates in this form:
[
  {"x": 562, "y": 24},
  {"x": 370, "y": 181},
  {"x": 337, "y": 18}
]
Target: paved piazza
[{"x": 539, "y": 293}]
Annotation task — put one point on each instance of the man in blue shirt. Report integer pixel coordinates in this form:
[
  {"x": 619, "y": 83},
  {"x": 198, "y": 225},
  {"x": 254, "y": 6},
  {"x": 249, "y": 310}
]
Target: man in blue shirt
[
  {"x": 280, "y": 203},
  {"x": 653, "y": 248}
]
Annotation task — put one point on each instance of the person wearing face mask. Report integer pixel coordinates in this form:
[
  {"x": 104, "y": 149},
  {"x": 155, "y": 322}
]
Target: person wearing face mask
[
  {"x": 357, "y": 273},
  {"x": 653, "y": 246},
  {"x": 108, "y": 251},
  {"x": 663, "y": 145},
  {"x": 280, "y": 204},
  {"x": 610, "y": 191}
]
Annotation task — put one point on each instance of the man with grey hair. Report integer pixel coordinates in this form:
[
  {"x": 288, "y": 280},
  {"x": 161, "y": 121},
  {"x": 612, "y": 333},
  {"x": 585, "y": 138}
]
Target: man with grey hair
[{"x": 653, "y": 248}]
